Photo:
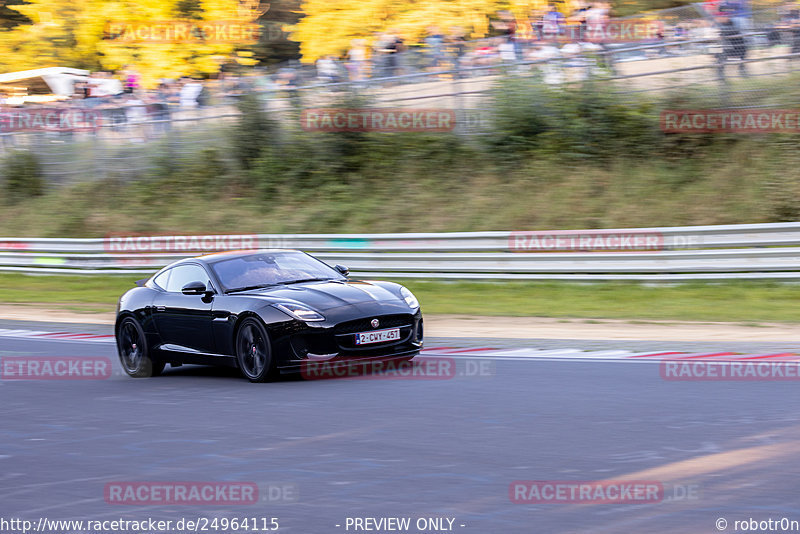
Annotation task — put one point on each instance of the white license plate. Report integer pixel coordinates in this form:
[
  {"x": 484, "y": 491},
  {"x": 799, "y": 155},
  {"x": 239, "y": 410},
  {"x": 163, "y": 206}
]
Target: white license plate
[{"x": 378, "y": 336}]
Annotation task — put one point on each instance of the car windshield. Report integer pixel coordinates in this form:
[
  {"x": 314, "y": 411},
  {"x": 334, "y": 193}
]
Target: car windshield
[{"x": 269, "y": 269}]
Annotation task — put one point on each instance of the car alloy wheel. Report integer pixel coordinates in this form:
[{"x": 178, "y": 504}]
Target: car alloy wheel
[{"x": 253, "y": 350}]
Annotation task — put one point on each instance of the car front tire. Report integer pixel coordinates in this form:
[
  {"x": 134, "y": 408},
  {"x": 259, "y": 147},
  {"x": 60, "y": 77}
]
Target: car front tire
[{"x": 253, "y": 350}]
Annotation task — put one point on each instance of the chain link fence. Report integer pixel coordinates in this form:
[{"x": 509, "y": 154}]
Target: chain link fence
[{"x": 692, "y": 58}]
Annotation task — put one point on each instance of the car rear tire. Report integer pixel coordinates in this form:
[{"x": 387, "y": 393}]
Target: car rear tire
[
  {"x": 134, "y": 354},
  {"x": 253, "y": 350}
]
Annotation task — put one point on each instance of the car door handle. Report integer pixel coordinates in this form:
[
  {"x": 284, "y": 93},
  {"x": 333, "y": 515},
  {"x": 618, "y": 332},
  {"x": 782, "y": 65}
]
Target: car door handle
[{"x": 161, "y": 308}]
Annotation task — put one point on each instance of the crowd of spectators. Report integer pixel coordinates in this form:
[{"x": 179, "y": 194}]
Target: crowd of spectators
[
  {"x": 127, "y": 102},
  {"x": 551, "y": 34},
  {"x": 547, "y": 37}
]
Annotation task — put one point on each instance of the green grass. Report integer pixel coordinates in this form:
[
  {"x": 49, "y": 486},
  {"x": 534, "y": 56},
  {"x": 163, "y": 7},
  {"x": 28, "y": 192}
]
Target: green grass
[
  {"x": 747, "y": 303},
  {"x": 745, "y": 186},
  {"x": 78, "y": 293}
]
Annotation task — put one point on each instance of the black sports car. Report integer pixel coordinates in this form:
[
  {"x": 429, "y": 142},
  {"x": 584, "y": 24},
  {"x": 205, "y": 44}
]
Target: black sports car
[{"x": 262, "y": 312}]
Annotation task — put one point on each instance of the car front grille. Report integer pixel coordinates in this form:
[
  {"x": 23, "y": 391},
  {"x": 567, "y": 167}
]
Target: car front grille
[
  {"x": 364, "y": 325},
  {"x": 341, "y": 338}
]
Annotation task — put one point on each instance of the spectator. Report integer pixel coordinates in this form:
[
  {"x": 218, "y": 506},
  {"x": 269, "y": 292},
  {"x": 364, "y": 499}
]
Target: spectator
[
  {"x": 507, "y": 52},
  {"x": 289, "y": 80},
  {"x": 733, "y": 45},
  {"x": 552, "y": 23},
  {"x": 135, "y": 114},
  {"x": 357, "y": 58},
  {"x": 388, "y": 47},
  {"x": 204, "y": 96},
  {"x": 574, "y": 63},
  {"x": 596, "y": 17},
  {"x": 328, "y": 70},
  {"x": 704, "y": 31},
  {"x": 547, "y": 57},
  {"x": 189, "y": 92},
  {"x": 791, "y": 23},
  {"x": 394, "y": 49},
  {"x": 158, "y": 108},
  {"x": 131, "y": 78},
  {"x": 378, "y": 55},
  {"x": 434, "y": 44},
  {"x": 508, "y": 26},
  {"x": 457, "y": 46},
  {"x": 114, "y": 113},
  {"x": 487, "y": 53},
  {"x": 537, "y": 16},
  {"x": 80, "y": 90}
]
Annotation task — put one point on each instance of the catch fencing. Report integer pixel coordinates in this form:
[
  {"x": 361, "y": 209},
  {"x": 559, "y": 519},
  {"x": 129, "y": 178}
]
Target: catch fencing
[
  {"x": 130, "y": 143},
  {"x": 758, "y": 251}
]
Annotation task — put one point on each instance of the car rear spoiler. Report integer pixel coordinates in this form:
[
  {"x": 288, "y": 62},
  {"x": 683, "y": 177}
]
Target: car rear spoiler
[{"x": 141, "y": 283}]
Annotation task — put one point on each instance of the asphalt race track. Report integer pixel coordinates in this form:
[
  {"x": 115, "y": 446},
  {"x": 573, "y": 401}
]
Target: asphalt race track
[{"x": 324, "y": 450}]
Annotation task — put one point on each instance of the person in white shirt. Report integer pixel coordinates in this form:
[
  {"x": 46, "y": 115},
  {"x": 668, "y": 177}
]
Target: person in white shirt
[
  {"x": 549, "y": 66},
  {"x": 357, "y": 57},
  {"x": 327, "y": 70},
  {"x": 189, "y": 93}
]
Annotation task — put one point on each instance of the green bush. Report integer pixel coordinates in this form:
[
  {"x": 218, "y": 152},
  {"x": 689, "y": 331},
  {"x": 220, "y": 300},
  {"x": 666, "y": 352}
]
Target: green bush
[
  {"x": 21, "y": 177},
  {"x": 253, "y": 132},
  {"x": 521, "y": 114},
  {"x": 566, "y": 157},
  {"x": 583, "y": 122},
  {"x": 289, "y": 166}
]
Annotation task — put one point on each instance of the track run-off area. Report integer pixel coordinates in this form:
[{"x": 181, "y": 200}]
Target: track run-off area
[{"x": 515, "y": 414}]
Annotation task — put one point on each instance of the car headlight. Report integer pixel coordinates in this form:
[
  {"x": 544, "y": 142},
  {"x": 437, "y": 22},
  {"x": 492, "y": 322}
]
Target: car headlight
[
  {"x": 409, "y": 297},
  {"x": 298, "y": 311}
]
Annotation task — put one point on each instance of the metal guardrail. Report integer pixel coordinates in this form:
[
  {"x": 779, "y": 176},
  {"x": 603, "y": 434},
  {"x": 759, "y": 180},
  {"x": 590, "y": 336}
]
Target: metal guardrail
[{"x": 758, "y": 251}]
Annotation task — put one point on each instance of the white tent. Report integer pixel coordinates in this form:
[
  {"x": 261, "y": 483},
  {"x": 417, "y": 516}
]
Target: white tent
[{"x": 51, "y": 83}]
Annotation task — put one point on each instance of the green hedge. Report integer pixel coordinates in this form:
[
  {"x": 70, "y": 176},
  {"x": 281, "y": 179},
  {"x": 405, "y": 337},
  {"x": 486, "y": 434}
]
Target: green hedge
[{"x": 21, "y": 177}]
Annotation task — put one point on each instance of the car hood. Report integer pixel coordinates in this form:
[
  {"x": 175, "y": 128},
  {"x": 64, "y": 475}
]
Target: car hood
[{"x": 324, "y": 296}]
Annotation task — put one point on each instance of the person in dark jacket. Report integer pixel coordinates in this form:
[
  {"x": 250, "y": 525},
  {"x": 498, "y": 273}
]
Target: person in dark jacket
[
  {"x": 734, "y": 45},
  {"x": 793, "y": 23}
]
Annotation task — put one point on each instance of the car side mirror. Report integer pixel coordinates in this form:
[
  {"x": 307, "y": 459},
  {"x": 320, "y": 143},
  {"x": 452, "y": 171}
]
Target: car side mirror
[
  {"x": 195, "y": 288},
  {"x": 344, "y": 271}
]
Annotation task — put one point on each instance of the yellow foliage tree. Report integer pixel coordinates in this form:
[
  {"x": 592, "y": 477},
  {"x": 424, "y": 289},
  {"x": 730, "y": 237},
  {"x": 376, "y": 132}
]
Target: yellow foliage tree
[
  {"x": 73, "y": 33},
  {"x": 328, "y": 27}
]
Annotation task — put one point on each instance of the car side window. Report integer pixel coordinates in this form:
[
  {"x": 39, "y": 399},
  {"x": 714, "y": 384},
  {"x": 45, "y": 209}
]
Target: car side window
[
  {"x": 185, "y": 274},
  {"x": 162, "y": 279}
]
